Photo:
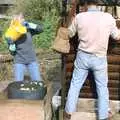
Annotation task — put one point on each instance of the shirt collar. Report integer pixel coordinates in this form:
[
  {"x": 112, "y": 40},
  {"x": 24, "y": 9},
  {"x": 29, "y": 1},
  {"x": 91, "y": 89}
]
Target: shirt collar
[{"x": 92, "y": 9}]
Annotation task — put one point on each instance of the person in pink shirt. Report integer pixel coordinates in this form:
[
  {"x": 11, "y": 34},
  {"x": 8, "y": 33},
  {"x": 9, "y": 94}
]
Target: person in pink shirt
[{"x": 94, "y": 28}]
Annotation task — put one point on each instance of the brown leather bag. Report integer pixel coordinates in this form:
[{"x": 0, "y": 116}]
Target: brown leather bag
[{"x": 61, "y": 43}]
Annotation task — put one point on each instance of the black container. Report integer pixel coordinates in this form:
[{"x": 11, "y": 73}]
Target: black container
[{"x": 15, "y": 90}]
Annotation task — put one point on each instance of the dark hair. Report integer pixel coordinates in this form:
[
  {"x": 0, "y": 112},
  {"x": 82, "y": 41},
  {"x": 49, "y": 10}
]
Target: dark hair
[{"x": 88, "y": 2}]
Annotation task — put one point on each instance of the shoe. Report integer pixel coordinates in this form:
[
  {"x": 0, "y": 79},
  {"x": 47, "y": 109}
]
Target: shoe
[
  {"x": 110, "y": 115},
  {"x": 106, "y": 119},
  {"x": 66, "y": 116}
]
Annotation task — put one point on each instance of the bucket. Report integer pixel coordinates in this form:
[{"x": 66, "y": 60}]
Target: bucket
[
  {"x": 30, "y": 90},
  {"x": 15, "y": 31}
]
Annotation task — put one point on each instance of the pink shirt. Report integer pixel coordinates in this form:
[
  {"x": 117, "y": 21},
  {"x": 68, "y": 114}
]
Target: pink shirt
[{"x": 94, "y": 28}]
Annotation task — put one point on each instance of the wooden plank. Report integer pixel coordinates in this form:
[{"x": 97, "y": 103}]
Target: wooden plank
[
  {"x": 114, "y": 83},
  {"x": 113, "y": 59},
  {"x": 114, "y": 75},
  {"x": 115, "y": 51},
  {"x": 113, "y": 68}
]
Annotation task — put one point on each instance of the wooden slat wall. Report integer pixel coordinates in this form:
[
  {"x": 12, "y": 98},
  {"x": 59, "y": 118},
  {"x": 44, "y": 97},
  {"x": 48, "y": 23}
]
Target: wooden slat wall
[{"x": 88, "y": 90}]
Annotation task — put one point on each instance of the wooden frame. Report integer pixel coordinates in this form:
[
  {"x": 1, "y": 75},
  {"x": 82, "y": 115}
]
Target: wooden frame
[{"x": 89, "y": 88}]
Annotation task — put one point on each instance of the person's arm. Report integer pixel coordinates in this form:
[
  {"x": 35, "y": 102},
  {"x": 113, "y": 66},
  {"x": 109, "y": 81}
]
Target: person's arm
[
  {"x": 72, "y": 29},
  {"x": 115, "y": 32},
  {"x": 33, "y": 28}
]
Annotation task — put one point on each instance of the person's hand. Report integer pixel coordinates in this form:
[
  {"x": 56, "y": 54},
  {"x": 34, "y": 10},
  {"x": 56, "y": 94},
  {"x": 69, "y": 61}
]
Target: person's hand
[
  {"x": 29, "y": 25},
  {"x": 32, "y": 25},
  {"x": 12, "y": 47}
]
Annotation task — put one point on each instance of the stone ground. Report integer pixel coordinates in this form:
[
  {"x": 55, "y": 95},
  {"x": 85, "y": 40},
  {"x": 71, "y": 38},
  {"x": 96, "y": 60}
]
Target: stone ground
[
  {"x": 90, "y": 116},
  {"x": 19, "y": 110}
]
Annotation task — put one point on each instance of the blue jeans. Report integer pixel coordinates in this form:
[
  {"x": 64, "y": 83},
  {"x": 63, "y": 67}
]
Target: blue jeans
[
  {"x": 85, "y": 61},
  {"x": 33, "y": 68}
]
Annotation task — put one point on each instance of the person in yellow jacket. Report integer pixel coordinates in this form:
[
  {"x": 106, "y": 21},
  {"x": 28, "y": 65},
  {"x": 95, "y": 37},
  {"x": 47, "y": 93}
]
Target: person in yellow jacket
[{"x": 24, "y": 53}]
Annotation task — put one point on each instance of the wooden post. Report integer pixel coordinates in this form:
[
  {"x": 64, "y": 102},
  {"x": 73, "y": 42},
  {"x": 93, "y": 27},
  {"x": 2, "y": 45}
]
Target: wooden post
[{"x": 66, "y": 20}]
